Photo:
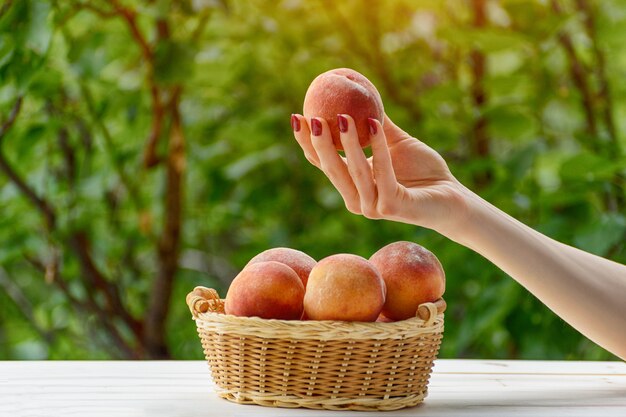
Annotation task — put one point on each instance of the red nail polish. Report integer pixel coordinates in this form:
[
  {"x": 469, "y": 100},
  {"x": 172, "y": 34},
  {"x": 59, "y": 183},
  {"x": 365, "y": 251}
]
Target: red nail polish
[
  {"x": 372, "y": 125},
  {"x": 343, "y": 123},
  {"x": 295, "y": 123},
  {"x": 316, "y": 127}
]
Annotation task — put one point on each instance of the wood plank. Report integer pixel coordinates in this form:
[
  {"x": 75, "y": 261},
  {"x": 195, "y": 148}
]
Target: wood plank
[
  {"x": 529, "y": 366},
  {"x": 183, "y": 388}
]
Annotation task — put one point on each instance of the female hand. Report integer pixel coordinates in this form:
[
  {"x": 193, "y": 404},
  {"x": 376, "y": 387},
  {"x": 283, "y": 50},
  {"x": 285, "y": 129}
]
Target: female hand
[
  {"x": 407, "y": 181},
  {"x": 404, "y": 180}
]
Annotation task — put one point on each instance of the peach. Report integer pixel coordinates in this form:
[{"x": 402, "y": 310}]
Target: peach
[
  {"x": 344, "y": 91},
  {"x": 383, "y": 319},
  {"x": 344, "y": 287},
  {"x": 270, "y": 290},
  {"x": 297, "y": 260},
  {"x": 413, "y": 275}
]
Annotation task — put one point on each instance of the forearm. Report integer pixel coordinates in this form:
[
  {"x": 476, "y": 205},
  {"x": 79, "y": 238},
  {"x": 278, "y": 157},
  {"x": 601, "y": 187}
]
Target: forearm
[{"x": 587, "y": 291}]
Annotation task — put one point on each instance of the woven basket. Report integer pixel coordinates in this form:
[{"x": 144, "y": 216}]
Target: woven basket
[{"x": 329, "y": 365}]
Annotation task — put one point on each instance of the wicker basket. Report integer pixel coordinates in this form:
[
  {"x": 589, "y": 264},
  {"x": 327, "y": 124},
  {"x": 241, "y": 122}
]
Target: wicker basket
[{"x": 318, "y": 364}]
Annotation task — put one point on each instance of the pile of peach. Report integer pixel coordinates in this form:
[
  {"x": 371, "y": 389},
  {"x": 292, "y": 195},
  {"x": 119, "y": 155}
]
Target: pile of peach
[{"x": 288, "y": 284}]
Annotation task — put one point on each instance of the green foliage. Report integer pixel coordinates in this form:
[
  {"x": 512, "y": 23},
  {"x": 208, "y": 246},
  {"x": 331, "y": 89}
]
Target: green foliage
[{"x": 241, "y": 68}]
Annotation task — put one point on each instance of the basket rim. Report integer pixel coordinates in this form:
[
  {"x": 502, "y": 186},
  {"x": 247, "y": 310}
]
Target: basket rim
[
  {"x": 216, "y": 316},
  {"x": 203, "y": 299},
  {"x": 317, "y": 329},
  {"x": 207, "y": 310}
]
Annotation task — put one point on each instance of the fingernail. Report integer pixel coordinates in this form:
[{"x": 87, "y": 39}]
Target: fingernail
[
  {"x": 295, "y": 123},
  {"x": 372, "y": 125},
  {"x": 316, "y": 127},
  {"x": 343, "y": 123}
]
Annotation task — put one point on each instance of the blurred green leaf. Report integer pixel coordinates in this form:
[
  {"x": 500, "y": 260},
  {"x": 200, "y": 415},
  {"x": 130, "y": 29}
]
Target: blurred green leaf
[
  {"x": 173, "y": 62},
  {"x": 511, "y": 122},
  {"x": 588, "y": 167},
  {"x": 598, "y": 237},
  {"x": 486, "y": 40},
  {"x": 39, "y": 32},
  {"x": 7, "y": 46}
]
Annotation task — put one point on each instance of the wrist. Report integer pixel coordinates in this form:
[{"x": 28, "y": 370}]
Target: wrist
[
  {"x": 457, "y": 213},
  {"x": 466, "y": 213}
]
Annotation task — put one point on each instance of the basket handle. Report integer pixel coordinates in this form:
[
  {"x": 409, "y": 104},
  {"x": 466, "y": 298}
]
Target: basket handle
[
  {"x": 429, "y": 311},
  {"x": 201, "y": 300}
]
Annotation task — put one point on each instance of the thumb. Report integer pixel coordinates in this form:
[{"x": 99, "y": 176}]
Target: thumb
[{"x": 393, "y": 133}]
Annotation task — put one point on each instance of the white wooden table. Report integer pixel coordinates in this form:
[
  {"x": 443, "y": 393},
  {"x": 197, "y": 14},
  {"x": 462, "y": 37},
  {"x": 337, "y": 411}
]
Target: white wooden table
[{"x": 183, "y": 388}]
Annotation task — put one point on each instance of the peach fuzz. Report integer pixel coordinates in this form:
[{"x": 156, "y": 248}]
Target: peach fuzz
[
  {"x": 297, "y": 260},
  {"x": 413, "y": 275},
  {"x": 270, "y": 290},
  {"x": 344, "y": 287},
  {"x": 344, "y": 91}
]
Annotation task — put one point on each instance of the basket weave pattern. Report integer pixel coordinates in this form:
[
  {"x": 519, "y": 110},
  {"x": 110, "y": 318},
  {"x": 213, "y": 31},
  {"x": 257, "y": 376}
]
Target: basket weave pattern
[{"x": 317, "y": 364}]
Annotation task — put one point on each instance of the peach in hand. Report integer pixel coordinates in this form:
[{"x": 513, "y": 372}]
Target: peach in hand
[
  {"x": 413, "y": 275},
  {"x": 344, "y": 287},
  {"x": 270, "y": 290},
  {"x": 344, "y": 91},
  {"x": 297, "y": 260}
]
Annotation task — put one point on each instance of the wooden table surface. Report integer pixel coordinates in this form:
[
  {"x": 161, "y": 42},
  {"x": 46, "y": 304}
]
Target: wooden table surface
[{"x": 184, "y": 389}]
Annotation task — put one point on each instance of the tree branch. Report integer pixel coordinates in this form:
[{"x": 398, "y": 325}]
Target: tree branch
[
  {"x": 199, "y": 29},
  {"x": 600, "y": 68},
  {"x": 616, "y": 201},
  {"x": 15, "y": 293},
  {"x": 150, "y": 157},
  {"x": 613, "y": 197},
  {"x": 39, "y": 202},
  {"x": 130, "y": 16},
  {"x": 481, "y": 144},
  {"x": 5, "y": 7},
  {"x": 578, "y": 75},
  {"x": 80, "y": 244},
  {"x": 125, "y": 179},
  {"x": 52, "y": 276},
  {"x": 169, "y": 243},
  {"x": 8, "y": 123},
  {"x": 90, "y": 307},
  {"x": 106, "y": 14},
  {"x": 68, "y": 155}
]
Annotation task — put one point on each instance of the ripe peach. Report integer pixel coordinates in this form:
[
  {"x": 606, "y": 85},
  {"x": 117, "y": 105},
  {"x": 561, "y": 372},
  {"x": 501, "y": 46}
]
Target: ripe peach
[
  {"x": 295, "y": 259},
  {"x": 344, "y": 287},
  {"x": 270, "y": 290},
  {"x": 413, "y": 275},
  {"x": 344, "y": 91}
]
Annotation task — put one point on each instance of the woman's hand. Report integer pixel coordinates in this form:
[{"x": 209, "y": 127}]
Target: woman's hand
[
  {"x": 404, "y": 180},
  {"x": 407, "y": 181}
]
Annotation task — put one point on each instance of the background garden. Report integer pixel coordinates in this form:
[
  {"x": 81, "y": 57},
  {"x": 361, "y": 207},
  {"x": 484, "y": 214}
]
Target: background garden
[{"x": 145, "y": 148}]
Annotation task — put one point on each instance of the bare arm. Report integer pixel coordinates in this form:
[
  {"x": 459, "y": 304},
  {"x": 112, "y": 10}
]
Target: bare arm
[
  {"x": 587, "y": 291},
  {"x": 407, "y": 181}
]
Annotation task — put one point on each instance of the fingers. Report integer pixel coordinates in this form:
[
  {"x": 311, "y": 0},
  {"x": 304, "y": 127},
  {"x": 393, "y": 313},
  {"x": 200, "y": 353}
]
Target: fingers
[
  {"x": 386, "y": 182},
  {"x": 358, "y": 167},
  {"x": 333, "y": 165},
  {"x": 367, "y": 189},
  {"x": 302, "y": 134}
]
